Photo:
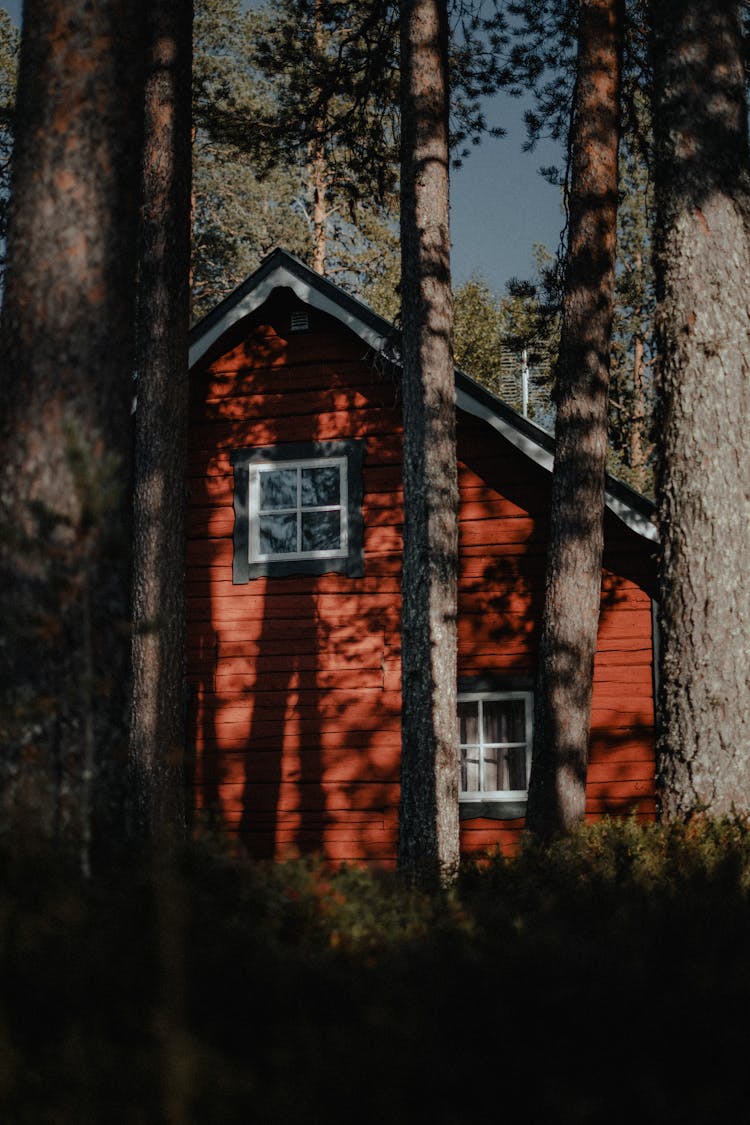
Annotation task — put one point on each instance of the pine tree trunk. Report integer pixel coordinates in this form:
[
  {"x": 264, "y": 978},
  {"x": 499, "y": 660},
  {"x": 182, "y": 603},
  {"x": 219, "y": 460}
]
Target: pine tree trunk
[
  {"x": 637, "y": 456},
  {"x": 428, "y": 829},
  {"x": 703, "y": 265},
  {"x": 318, "y": 162},
  {"x": 557, "y": 790},
  {"x": 318, "y": 170},
  {"x": 66, "y": 352},
  {"x": 158, "y": 706}
]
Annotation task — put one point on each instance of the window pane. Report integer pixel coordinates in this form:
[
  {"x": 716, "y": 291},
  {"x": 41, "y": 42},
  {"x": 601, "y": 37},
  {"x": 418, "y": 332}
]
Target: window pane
[
  {"x": 468, "y": 725},
  {"x": 504, "y": 720},
  {"x": 516, "y": 767},
  {"x": 470, "y": 770},
  {"x": 321, "y": 485},
  {"x": 278, "y": 489},
  {"x": 278, "y": 534},
  {"x": 493, "y": 760},
  {"x": 321, "y": 531}
]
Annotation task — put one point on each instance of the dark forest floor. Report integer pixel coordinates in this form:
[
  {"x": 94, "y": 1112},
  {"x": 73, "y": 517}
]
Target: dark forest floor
[{"x": 606, "y": 979}]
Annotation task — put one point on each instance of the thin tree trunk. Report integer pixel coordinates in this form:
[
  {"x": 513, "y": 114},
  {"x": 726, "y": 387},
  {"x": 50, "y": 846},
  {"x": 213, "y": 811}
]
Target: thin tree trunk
[
  {"x": 66, "y": 351},
  {"x": 158, "y": 703},
  {"x": 319, "y": 166},
  {"x": 557, "y": 790},
  {"x": 318, "y": 171},
  {"x": 638, "y": 416},
  {"x": 636, "y": 437},
  {"x": 428, "y": 829},
  {"x": 703, "y": 265}
]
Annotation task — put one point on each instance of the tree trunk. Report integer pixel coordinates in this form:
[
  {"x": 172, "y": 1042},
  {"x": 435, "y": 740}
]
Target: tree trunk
[
  {"x": 428, "y": 829},
  {"x": 557, "y": 789},
  {"x": 703, "y": 265},
  {"x": 637, "y": 457},
  {"x": 318, "y": 163},
  {"x": 66, "y": 346},
  {"x": 158, "y": 706},
  {"x": 318, "y": 172}
]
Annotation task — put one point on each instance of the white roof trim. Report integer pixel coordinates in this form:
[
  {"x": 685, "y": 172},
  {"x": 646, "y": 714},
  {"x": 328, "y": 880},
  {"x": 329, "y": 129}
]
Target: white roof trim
[
  {"x": 280, "y": 276},
  {"x": 634, "y": 520},
  {"x": 531, "y": 448},
  {"x": 310, "y": 293},
  {"x": 629, "y": 516}
]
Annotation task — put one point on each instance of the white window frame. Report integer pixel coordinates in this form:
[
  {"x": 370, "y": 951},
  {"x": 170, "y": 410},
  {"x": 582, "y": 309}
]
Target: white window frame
[
  {"x": 255, "y": 512},
  {"x": 481, "y": 697}
]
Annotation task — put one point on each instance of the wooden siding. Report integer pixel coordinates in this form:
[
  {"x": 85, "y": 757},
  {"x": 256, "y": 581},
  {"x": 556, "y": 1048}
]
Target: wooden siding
[{"x": 295, "y": 707}]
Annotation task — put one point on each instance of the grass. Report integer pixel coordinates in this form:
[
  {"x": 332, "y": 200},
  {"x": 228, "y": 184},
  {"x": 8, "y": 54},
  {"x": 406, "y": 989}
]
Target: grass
[{"x": 606, "y": 978}]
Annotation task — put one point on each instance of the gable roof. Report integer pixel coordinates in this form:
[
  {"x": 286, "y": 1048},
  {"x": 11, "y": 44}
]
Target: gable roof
[{"x": 282, "y": 269}]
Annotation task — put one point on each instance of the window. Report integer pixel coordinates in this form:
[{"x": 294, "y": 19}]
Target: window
[
  {"x": 298, "y": 509},
  {"x": 495, "y": 735}
]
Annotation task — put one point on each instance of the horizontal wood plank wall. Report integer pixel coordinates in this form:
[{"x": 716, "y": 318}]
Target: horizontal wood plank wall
[
  {"x": 503, "y": 534},
  {"x": 296, "y": 691},
  {"x": 295, "y": 707}
]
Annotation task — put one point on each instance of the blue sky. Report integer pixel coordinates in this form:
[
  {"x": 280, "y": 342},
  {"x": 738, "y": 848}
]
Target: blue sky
[{"x": 500, "y": 205}]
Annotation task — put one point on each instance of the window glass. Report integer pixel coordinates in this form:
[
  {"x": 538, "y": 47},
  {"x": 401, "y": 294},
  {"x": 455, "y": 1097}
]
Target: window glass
[
  {"x": 321, "y": 486},
  {"x": 491, "y": 778},
  {"x": 494, "y": 743},
  {"x": 470, "y": 782},
  {"x": 321, "y": 531},
  {"x": 504, "y": 720},
  {"x": 278, "y": 489},
  {"x": 468, "y": 716},
  {"x": 515, "y": 761},
  {"x": 277, "y": 534}
]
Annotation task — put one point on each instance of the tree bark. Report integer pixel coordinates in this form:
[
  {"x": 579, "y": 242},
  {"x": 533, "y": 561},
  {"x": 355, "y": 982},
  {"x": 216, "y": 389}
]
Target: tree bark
[
  {"x": 557, "y": 789},
  {"x": 66, "y": 345},
  {"x": 318, "y": 176},
  {"x": 428, "y": 829},
  {"x": 319, "y": 163},
  {"x": 703, "y": 492},
  {"x": 157, "y": 733},
  {"x": 637, "y": 458}
]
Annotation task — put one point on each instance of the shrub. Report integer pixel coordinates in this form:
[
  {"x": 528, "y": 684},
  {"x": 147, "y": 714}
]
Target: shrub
[{"x": 598, "y": 978}]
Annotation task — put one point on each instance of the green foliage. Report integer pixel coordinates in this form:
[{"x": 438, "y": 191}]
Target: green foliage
[
  {"x": 296, "y": 107},
  {"x": 332, "y": 71},
  {"x": 290, "y": 100},
  {"x": 478, "y": 333},
  {"x": 316, "y": 994},
  {"x": 542, "y": 58},
  {"x": 492, "y": 335},
  {"x": 237, "y": 217}
]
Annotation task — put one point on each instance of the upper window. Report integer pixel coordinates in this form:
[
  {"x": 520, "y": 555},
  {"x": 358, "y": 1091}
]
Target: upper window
[
  {"x": 495, "y": 735},
  {"x": 298, "y": 509}
]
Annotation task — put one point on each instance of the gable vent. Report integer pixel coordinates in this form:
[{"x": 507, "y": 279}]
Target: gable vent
[{"x": 300, "y": 321}]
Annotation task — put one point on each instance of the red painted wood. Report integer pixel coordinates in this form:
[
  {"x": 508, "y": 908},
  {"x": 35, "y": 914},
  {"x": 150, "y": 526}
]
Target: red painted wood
[{"x": 295, "y": 711}]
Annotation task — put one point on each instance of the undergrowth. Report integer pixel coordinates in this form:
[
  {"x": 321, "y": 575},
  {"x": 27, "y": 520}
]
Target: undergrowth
[{"x": 603, "y": 978}]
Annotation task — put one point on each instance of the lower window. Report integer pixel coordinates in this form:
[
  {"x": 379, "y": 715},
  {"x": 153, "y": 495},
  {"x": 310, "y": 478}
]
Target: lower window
[{"x": 495, "y": 737}]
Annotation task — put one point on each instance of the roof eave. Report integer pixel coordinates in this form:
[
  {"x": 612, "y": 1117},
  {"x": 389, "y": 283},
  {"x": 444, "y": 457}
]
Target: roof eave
[{"x": 281, "y": 269}]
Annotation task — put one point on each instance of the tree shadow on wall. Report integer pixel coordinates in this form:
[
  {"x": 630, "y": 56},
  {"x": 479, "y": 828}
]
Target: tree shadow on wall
[{"x": 283, "y": 800}]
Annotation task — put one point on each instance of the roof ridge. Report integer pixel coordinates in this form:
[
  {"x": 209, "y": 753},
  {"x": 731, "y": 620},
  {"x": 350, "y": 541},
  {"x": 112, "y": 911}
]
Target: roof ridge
[{"x": 281, "y": 268}]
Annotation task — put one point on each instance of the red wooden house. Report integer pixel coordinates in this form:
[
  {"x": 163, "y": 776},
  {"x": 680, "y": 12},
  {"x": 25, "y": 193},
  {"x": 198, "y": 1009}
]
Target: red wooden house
[{"x": 294, "y": 586}]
